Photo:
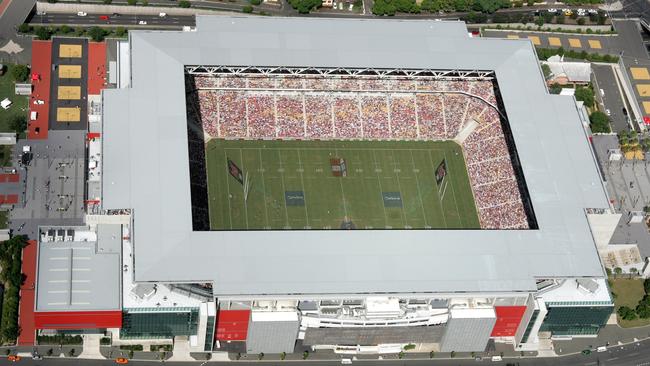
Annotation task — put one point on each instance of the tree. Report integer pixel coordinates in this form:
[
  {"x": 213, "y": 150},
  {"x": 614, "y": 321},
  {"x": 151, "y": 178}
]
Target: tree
[
  {"x": 585, "y": 95},
  {"x": 581, "y": 21},
  {"x": 71, "y": 353},
  {"x": 107, "y": 2},
  {"x": 247, "y": 9},
  {"x": 24, "y": 28},
  {"x": 20, "y": 73},
  {"x": 120, "y": 32},
  {"x": 452, "y": 354},
  {"x": 646, "y": 285},
  {"x": 131, "y": 2},
  {"x": 600, "y": 124},
  {"x": 256, "y": 2},
  {"x": 184, "y": 4},
  {"x": 539, "y": 21},
  {"x": 18, "y": 123},
  {"x": 626, "y": 313},
  {"x": 65, "y": 29},
  {"x": 555, "y": 88},
  {"x": 617, "y": 270},
  {"x": 305, "y": 6},
  {"x": 559, "y": 19},
  {"x": 43, "y": 33},
  {"x": 79, "y": 31},
  {"x": 97, "y": 34}
]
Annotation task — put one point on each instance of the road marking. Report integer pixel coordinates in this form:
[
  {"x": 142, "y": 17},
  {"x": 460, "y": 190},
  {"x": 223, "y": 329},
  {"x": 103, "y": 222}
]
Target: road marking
[
  {"x": 535, "y": 40},
  {"x": 575, "y": 43},
  {"x": 639, "y": 73},
  {"x": 646, "y": 107},
  {"x": 554, "y": 41},
  {"x": 595, "y": 44},
  {"x": 643, "y": 89},
  {"x": 512, "y": 36}
]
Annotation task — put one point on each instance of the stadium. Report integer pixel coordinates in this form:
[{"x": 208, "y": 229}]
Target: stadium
[{"x": 347, "y": 186}]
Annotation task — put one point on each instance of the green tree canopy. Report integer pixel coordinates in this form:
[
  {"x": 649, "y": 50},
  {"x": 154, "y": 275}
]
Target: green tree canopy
[
  {"x": 97, "y": 34},
  {"x": 585, "y": 95},
  {"x": 600, "y": 124},
  {"x": 20, "y": 73}
]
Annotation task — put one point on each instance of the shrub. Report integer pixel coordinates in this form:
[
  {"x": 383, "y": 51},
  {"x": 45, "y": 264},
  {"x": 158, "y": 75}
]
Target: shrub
[
  {"x": 105, "y": 341},
  {"x": 256, "y": 2},
  {"x": 20, "y": 73},
  {"x": 247, "y": 9},
  {"x": 581, "y": 21},
  {"x": 65, "y": 29},
  {"x": 107, "y": 2},
  {"x": 184, "y": 4},
  {"x": 585, "y": 95},
  {"x": 97, "y": 34},
  {"x": 71, "y": 353},
  {"x": 120, "y": 32},
  {"x": 43, "y": 33},
  {"x": 24, "y": 28},
  {"x": 409, "y": 346},
  {"x": 132, "y": 2},
  {"x": 599, "y": 122},
  {"x": 79, "y": 31}
]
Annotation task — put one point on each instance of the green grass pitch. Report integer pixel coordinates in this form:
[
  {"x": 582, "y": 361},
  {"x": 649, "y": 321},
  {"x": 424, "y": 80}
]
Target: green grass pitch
[{"x": 373, "y": 167}]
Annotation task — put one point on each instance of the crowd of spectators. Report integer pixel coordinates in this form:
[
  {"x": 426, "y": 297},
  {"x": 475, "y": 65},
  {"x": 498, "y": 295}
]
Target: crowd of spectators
[{"x": 374, "y": 108}]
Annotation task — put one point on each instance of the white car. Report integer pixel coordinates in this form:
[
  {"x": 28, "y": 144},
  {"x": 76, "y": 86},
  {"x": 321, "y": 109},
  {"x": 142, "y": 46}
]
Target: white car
[
  {"x": 608, "y": 112},
  {"x": 552, "y": 10},
  {"x": 142, "y": 22},
  {"x": 82, "y": 14},
  {"x": 592, "y": 11},
  {"x": 162, "y": 15}
]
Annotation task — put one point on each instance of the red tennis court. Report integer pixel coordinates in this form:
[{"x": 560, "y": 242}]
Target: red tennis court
[
  {"x": 10, "y": 178},
  {"x": 10, "y": 199},
  {"x": 27, "y": 291},
  {"x": 41, "y": 68},
  {"x": 96, "y": 67}
]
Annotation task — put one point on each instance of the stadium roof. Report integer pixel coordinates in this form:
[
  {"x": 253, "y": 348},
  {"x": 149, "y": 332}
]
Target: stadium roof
[{"x": 146, "y": 167}]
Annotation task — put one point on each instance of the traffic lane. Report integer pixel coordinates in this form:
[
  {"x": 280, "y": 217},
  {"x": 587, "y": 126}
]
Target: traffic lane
[
  {"x": 629, "y": 32},
  {"x": 611, "y": 98},
  {"x": 94, "y": 19},
  {"x": 576, "y": 42}
]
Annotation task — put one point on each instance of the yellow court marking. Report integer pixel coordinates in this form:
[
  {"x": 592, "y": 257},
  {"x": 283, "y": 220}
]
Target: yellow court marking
[
  {"x": 535, "y": 40},
  {"x": 65, "y": 114},
  {"x": 595, "y": 44},
  {"x": 646, "y": 107},
  {"x": 644, "y": 89},
  {"x": 70, "y": 50},
  {"x": 554, "y": 41},
  {"x": 70, "y": 71},
  {"x": 640, "y": 73},
  {"x": 69, "y": 92},
  {"x": 512, "y": 36},
  {"x": 575, "y": 42}
]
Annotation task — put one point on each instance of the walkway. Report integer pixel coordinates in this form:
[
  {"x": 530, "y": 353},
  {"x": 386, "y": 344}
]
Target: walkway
[
  {"x": 41, "y": 66},
  {"x": 27, "y": 292}
]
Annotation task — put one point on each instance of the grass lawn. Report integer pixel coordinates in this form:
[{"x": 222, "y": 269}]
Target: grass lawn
[
  {"x": 628, "y": 293},
  {"x": 19, "y": 105},
  {"x": 291, "y": 185}
]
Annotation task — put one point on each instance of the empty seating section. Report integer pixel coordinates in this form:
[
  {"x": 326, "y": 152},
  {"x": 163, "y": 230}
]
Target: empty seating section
[{"x": 315, "y": 107}]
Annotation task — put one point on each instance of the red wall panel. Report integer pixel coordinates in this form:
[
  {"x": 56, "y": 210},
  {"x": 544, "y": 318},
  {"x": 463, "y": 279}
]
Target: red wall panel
[
  {"x": 78, "y": 319},
  {"x": 508, "y": 319},
  {"x": 232, "y": 325}
]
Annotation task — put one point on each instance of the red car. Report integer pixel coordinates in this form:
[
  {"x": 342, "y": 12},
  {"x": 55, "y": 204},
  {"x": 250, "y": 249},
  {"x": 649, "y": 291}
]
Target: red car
[{"x": 103, "y": 17}]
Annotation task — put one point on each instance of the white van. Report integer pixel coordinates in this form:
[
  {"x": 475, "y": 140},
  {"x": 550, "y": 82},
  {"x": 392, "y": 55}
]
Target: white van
[
  {"x": 601, "y": 349},
  {"x": 497, "y": 358}
]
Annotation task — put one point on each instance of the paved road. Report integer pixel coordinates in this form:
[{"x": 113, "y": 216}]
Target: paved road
[
  {"x": 174, "y": 21},
  {"x": 605, "y": 79},
  {"x": 14, "y": 15}
]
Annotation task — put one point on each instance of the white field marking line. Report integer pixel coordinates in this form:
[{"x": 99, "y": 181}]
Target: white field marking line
[
  {"x": 442, "y": 209},
  {"x": 241, "y": 159},
  {"x": 345, "y": 206},
  {"x": 284, "y": 198},
  {"x": 453, "y": 192},
  {"x": 207, "y": 182},
  {"x": 266, "y": 211},
  {"x": 302, "y": 182},
  {"x": 399, "y": 186},
  {"x": 359, "y": 148},
  {"x": 381, "y": 190},
  {"x": 228, "y": 189}
]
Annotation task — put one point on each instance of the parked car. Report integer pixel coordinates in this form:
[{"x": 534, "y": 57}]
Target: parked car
[
  {"x": 121, "y": 360},
  {"x": 115, "y": 15},
  {"x": 592, "y": 11},
  {"x": 552, "y": 10},
  {"x": 82, "y": 14},
  {"x": 142, "y": 22},
  {"x": 13, "y": 358},
  {"x": 601, "y": 349},
  {"x": 37, "y": 357},
  {"x": 162, "y": 15},
  {"x": 608, "y": 112}
]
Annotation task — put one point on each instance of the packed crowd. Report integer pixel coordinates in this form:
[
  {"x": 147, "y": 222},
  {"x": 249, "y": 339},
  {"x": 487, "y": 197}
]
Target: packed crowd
[
  {"x": 374, "y": 108},
  {"x": 492, "y": 176}
]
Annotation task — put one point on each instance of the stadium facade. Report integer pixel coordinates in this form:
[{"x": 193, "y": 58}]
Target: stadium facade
[{"x": 351, "y": 291}]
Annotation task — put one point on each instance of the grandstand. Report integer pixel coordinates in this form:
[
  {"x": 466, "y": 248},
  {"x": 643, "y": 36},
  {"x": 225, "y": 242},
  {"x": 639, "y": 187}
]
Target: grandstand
[{"x": 355, "y": 105}]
